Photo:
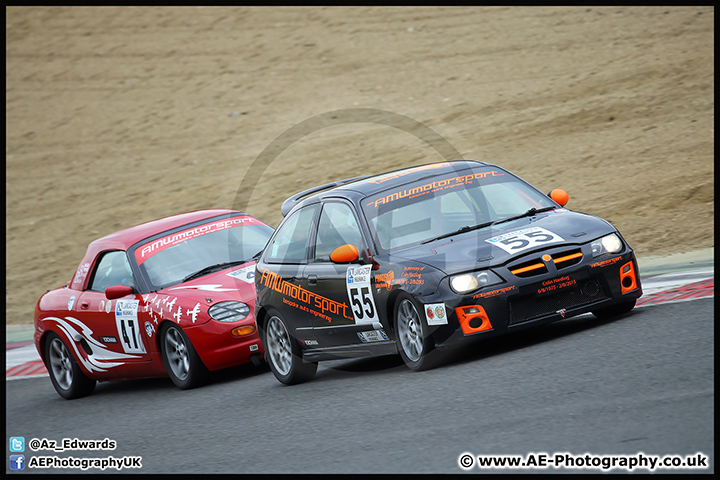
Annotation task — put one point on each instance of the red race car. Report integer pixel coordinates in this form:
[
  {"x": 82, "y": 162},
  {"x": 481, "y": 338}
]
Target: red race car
[{"x": 172, "y": 297}]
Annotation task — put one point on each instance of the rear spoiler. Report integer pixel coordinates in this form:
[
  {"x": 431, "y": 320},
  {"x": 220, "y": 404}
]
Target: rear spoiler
[{"x": 295, "y": 199}]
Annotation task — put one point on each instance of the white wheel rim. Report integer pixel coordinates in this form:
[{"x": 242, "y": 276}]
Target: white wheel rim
[
  {"x": 60, "y": 363},
  {"x": 410, "y": 330},
  {"x": 278, "y": 346},
  {"x": 177, "y": 354}
]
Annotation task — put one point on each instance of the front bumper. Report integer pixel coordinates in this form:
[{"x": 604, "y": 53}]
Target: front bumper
[
  {"x": 536, "y": 295},
  {"x": 218, "y": 348}
]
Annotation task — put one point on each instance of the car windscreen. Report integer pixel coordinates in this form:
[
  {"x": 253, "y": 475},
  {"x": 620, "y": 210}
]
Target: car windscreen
[
  {"x": 170, "y": 259},
  {"x": 416, "y": 212}
]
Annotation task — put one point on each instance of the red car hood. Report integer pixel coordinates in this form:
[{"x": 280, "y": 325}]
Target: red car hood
[{"x": 196, "y": 296}]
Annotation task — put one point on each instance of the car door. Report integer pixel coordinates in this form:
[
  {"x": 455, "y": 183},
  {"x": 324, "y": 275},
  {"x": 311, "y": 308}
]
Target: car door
[
  {"x": 115, "y": 324},
  {"x": 346, "y": 313},
  {"x": 279, "y": 278}
]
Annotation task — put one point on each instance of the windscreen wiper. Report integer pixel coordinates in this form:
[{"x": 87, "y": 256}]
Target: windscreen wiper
[
  {"x": 464, "y": 229},
  {"x": 213, "y": 268},
  {"x": 529, "y": 213}
]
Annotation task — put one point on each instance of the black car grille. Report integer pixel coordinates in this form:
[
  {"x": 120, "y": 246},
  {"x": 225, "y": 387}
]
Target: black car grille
[
  {"x": 531, "y": 306},
  {"x": 537, "y": 266}
]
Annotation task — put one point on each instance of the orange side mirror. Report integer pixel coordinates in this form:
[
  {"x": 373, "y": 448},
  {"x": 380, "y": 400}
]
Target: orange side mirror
[
  {"x": 560, "y": 196},
  {"x": 345, "y": 254}
]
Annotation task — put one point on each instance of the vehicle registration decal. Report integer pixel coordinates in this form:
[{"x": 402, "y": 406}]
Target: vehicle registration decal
[
  {"x": 360, "y": 294},
  {"x": 373, "y": 336},
  {"x": 519, "y": 240},
  {"x": 128, "y": 326},
  {"x": 435, "y": 314}
]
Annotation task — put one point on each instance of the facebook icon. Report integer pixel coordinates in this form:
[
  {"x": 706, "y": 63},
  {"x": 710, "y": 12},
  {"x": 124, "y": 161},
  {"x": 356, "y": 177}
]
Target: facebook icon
[{"x": 17, "y": 462}]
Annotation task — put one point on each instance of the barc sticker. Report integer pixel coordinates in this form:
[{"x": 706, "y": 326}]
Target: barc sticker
[{"x": 246, "y": 274}]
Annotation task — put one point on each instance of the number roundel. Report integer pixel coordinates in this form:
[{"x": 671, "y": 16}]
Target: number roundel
[
  {"x": 360, "y": 295},
  {"x": 519, "y": 240}
]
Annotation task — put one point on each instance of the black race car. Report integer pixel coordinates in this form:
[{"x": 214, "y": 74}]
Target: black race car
[{"x": 427, "y": 258}]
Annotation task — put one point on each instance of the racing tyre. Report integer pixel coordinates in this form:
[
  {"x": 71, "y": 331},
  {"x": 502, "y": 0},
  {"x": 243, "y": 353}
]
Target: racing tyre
[
  {"x": 180, "y": 359},
  {"x": 618, "y": 309},
  {"x": 67, "y": 378},
  {"x": 282, "y": 353},
  {"x": 413, "y": 344}
]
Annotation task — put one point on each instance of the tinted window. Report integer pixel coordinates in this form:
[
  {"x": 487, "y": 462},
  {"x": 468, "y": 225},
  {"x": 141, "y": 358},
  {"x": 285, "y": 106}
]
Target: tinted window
[
  {"x": 337, "y": 227},
  {"x": 112, "y": 269},
  {"x": 289, "y": 245},
  {"x": 169, "y": 259},
  {"x": 412, "y": 213}
]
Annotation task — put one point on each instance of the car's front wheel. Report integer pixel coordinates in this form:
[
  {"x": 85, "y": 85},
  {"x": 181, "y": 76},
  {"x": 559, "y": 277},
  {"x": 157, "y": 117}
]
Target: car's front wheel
[
  {"x": 66, "y": 376},
  {"x": 180, "y": 359},
  {"x": 414, "y": 346},
  {"x": 283, "y": 354}
]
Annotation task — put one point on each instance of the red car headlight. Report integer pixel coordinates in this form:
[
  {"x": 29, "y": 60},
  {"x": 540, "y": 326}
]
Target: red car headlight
[{"x": 229, "y": 311}]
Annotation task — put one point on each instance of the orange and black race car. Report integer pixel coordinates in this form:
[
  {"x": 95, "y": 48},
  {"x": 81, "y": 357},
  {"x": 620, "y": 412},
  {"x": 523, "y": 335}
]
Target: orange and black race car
[{"x": 426, "y": 258}]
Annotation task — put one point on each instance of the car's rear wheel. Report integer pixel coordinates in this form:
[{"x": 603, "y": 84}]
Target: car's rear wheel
[
  {"x": 413, "y": 343},
  {"x": 66, "y": 376},
  {"x": 180, "y": 359},
  {"x": 283, "y": 354},
  {"x": 614, "y": 310}
]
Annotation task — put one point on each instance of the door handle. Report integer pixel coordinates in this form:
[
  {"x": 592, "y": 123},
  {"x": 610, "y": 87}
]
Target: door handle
[
  {"x": 85, "y": 305},
  {"x": 312, "y": 280}
]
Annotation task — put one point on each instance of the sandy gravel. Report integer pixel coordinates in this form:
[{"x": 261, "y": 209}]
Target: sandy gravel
[{"x": 119, "y": 115}]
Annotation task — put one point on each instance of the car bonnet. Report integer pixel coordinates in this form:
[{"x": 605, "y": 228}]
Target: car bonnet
[{"x": 482, "y": 248}]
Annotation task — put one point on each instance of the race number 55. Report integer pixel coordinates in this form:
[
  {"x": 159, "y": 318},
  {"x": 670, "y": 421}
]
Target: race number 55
[
  {"x": 513, "y": 242},
  {"x": 362, "y": 303},
  {"x": 360, "y": 294}
]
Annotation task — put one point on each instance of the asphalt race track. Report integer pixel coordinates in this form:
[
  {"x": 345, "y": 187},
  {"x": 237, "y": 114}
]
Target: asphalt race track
[{"x": 639, "y": 383}]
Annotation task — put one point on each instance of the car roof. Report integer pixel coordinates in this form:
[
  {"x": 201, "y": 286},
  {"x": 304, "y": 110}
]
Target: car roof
[
  {"x": 370, "y": 185},
  {"x": 123, "y": 239}
]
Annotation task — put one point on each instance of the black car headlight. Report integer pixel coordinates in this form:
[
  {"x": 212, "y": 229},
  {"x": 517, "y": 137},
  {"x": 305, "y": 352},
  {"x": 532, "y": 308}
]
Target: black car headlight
[
  {"x": 228, "y": 311},
  {"x": 468, "y": 282},
  {"x": 607, "y": 244}
]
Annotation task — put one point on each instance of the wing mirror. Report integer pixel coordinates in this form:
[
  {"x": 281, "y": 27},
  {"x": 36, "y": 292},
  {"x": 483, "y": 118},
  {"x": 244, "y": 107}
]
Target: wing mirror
[
  {"x": 560, "y": 196},
  {"x": 117, "y": 291},
  {"x": 345, "y": 254}
]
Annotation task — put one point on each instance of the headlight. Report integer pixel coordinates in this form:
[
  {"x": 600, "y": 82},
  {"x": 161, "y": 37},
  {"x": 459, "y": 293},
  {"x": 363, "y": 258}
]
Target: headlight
[
  {"x": 470, "y": 281},
  {"x": 608, "y": 244},
  {"x": 228, "y": 311}
]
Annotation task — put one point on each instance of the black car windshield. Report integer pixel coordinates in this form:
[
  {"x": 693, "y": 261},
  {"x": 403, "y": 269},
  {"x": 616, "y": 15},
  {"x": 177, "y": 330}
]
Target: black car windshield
[
  {"x": 201, "y": 249},
  {"x": 450, "y": 204}
]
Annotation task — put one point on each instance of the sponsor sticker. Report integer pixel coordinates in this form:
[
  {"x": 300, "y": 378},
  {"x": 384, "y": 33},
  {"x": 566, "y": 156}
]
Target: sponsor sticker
[
  {"x": 373, "y": 336},
  {"x": 246, "y": 274},
  {"x": 71, "y": 302},
  {"x": 435, "y": 314}
]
